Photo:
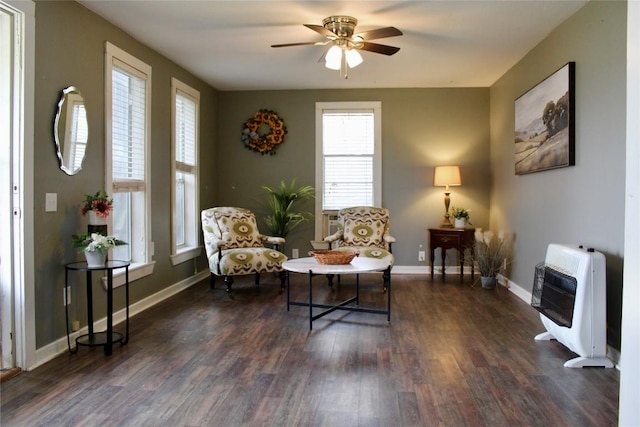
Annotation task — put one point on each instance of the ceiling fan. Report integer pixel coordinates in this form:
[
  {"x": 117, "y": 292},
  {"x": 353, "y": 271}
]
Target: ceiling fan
[{"x": 343, "y": 54}]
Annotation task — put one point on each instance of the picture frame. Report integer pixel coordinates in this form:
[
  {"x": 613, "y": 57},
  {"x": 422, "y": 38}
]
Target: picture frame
[{"x": 545, "y": 124}]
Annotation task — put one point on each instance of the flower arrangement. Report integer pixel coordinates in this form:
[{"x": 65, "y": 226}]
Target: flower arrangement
[
  {"x": 268, "y": 142},
  {"x": 491, "y": 253},
  {"x": 460, "y": 213},
  {"x": 96, "y": 242},
  {"x": 99, "y": 202}
]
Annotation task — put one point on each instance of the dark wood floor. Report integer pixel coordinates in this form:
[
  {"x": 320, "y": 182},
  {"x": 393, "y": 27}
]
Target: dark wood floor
[{"x": 453, "y": 355}]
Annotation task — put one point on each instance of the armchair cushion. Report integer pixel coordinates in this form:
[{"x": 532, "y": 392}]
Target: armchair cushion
[
  {"x": 364, "y": 226},
  {"x": 233, "y": 227}
]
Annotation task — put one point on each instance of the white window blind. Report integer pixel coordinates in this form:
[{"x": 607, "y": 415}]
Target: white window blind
[
  {"x": 128, "y": 131},
  {"x": 348, "y": 150},
  {"x": 79, "y": 134},
  {"x": 185, "y": 133}
]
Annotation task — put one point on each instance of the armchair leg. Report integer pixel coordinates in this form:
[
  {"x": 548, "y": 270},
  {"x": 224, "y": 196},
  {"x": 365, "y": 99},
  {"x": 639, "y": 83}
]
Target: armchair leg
[
  {"x": 212, "y": 281},
  {"x": 257, "y": 279},
  {"x": 330, "y": 280},
  {"x": 386, "y": 279},
  {"x": 228, "y": 280},
  {"x": 282, "y": 275}
]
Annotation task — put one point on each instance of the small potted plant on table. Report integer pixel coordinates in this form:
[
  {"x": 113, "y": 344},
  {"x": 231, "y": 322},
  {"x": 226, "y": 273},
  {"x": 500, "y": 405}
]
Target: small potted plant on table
[
  {"x": 461, "y": 217},
  {"x": 95, "y": 247}
]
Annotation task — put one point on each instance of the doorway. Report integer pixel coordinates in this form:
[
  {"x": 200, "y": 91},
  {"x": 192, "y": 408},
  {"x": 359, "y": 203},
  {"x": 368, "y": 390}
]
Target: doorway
[{"x": 17, "y": 322}]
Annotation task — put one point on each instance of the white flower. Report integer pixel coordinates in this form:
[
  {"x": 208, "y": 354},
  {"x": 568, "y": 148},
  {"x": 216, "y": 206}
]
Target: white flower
[{"x": 488, "y": 235}]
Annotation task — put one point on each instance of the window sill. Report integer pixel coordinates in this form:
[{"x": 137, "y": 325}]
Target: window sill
[
  {"x": 185, "y": 255},
  {"x": 136, "y": 271}
]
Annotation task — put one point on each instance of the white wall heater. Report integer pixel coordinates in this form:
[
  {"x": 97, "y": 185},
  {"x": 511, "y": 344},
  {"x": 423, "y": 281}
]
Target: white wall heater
[{"x": 569, "y": 291}]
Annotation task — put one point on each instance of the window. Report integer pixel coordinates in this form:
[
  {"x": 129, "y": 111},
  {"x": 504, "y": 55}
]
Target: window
[
  {"x": 348, "y": 158},
  {"x": 184, "y": 142},
  {"x": 128, "y": 100},
  {"x": 77, "y": 132}
]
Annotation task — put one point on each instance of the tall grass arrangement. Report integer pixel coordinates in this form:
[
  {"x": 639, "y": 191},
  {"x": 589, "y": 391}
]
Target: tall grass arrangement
[
  {"x": 491, "y": 253},
  {"x": 282, "y": 202}
]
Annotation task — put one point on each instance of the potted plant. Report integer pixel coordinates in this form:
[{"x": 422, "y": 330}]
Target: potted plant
[
  {"x": 461, "y": 216},
  {"x": 99, "y": 205},
  {"x": 282, "y": 202},
  {"x": 491, "y": 255},
  {"x": 95, "y": 247}
]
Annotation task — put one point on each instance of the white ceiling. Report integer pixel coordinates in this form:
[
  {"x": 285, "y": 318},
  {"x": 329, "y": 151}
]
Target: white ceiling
[{"x": 445, "y": 43}]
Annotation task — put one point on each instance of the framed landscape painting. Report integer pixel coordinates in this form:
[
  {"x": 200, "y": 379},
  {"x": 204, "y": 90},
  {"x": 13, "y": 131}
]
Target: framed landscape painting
[{"x": 545, "y": 124}]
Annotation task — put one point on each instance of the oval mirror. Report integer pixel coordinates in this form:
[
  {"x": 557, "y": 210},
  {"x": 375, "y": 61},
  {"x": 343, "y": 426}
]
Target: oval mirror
[{"x": 71, "y": 130}]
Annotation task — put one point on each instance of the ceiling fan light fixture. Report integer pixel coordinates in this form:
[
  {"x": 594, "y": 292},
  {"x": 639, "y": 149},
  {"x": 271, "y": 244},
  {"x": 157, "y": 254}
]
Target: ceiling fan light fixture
[
  {"x": 333, "y": 59},
  {"x": 353, "y": 58}
]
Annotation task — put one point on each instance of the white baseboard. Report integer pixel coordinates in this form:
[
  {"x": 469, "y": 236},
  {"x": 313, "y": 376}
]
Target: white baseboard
[{"x": 58, "y": 347}]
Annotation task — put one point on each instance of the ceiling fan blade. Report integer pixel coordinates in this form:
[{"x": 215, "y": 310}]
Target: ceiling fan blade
[
  {"x": 321, "y": 30},
  {"x": 300, "y": 44},
  {"x": 377, "y": 48},
  {"x": 380, "y": 33}
]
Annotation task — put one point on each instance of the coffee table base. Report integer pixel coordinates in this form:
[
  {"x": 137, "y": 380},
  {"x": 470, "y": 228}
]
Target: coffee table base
[{"x": 344, "y": 305}]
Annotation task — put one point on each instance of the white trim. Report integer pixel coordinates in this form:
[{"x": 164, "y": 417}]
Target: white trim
[
  {"x": 376, "y": 106},
  {"x": 186, "y": 254},
  {"x": 629, "y": 410},
  {"x": 180, "y": 255},
  {"x": 24, "y": 287},
  {"x": 58, "y": 347},
  {"x": 113, "y": 56},
  {"x": 136, "y": 271}
]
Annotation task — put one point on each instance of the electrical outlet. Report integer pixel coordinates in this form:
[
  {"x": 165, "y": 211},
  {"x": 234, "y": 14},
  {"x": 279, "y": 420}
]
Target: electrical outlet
[
  {"x": 295, "y": 253},
  {"x": 421, "y": 255},
  {"x": 66, "y": 295},
  {"x": 75, "y": 325}
]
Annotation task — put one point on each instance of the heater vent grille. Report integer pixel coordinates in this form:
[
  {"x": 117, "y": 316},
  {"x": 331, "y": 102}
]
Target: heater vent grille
[{"x": 554, "y": 294}]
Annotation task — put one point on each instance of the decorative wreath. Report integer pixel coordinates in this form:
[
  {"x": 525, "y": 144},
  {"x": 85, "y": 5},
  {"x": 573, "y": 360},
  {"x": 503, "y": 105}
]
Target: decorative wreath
[{"x": 268, "y": 142}]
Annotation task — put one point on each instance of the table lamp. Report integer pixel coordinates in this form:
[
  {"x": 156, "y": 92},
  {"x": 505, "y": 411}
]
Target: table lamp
[{"x": 444, "y": 176}]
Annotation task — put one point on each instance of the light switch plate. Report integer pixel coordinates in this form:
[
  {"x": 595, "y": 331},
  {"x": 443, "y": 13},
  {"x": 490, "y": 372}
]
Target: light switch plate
[{"x": 51, "y": 202}]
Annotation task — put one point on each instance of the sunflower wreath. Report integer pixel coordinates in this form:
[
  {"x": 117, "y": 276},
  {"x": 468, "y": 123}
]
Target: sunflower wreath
[{"x": 268, "y": 142}]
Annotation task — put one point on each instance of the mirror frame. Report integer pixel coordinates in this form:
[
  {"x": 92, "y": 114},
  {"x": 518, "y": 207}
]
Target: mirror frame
[{"x": 59, "y": 131}]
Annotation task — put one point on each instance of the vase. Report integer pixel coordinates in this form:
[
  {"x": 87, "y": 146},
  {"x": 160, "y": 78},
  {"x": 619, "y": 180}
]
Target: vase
[
  {"x": 488, "y": 282},
  {"x": 97, "y": 224},
  {"x": 95, "y": 258},
  {"x": 460, "y": 222}
]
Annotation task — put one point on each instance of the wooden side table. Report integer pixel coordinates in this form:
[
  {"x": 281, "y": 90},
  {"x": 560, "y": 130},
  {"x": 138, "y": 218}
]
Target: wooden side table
[{"x": 451, "y": 238}]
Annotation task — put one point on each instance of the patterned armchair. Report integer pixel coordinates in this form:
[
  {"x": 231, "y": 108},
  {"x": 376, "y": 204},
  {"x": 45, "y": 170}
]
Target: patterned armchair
[
  {"x": 235, "y": 246},
  {"x": 364, "y": 229}
]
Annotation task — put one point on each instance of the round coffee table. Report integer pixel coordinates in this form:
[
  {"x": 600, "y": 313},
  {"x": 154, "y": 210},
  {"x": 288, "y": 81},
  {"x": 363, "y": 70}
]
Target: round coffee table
[{"x": 358, "y": 265}]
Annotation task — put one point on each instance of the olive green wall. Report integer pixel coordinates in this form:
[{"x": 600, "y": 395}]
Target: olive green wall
[
  {"x": 70, "y": 51},
  {"x": 421, "y": 128},
  {"x": 582, "y": 204}
]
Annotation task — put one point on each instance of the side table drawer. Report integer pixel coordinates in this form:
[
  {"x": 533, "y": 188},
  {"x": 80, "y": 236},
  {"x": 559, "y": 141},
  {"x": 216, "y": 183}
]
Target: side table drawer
[{"x": 445, "y": 240}]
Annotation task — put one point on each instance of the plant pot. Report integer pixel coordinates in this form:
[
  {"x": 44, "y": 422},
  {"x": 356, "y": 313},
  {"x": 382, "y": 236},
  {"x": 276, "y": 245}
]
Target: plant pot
[
  {"x": 460, "y": 222},
  {"x": 95, "y": 258},
  {"x": 95, "y": 219},
  {"x": 97, "y": 224},
  {"x": 488, "y": 282}
]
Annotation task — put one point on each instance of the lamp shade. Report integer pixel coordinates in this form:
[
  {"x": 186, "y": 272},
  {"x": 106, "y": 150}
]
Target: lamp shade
[
  {"x": 333, "y": 59},
  {"x": 353, "y": 58},
  {"x": 445, "y": 176}
]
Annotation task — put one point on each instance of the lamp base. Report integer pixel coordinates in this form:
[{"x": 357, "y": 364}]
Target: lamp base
[{"x": 447, "y": 222}]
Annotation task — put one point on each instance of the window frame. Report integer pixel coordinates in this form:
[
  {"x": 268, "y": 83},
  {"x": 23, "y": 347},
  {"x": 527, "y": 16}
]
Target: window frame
[
  {"x": 358, "y": 106},
  {"x": 191, "y": 249},
  {"x": 142, "y": 264}
]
